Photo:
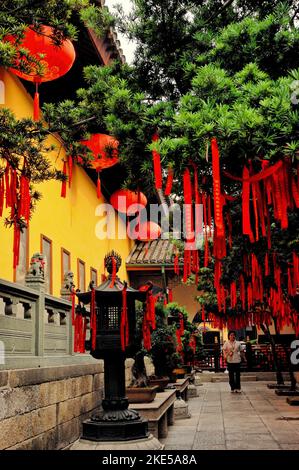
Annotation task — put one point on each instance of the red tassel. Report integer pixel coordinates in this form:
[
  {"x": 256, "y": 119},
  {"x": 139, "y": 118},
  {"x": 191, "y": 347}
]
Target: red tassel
[
  {"x": 295, "y": 192},
  {"x": 24, "y": 210},
  {"x": 283, "y": 185},
  {"x": 246, "y": 205},
  {"x": 36, "y": 113},
  {"x": 188, "y": 206},
  {"x": 296, "y": 269},
  {"x": 124, "y": 323},
  {"x": 7, "y": 186},
  {"x": 63, "y": 186},
  {"x": 198, "y": 218},
  {"x": 170, "y": 295},
  {"x": 254, "y": 199},
  {"x": 70, "y": 165},
  {"x": 84, "y": 335},
  {"x": 73, "y": 299},
  {"x": 157, "y": 165},
  {"x": 93, "y": 320},
  {"x": 99, "y": 192},
  {"x": 1, "y": 195},
  {"x": 169, "y": 181},
  {"x": 218, "y": 201},
  {"x": 113, "y": 275},
  {"x": 13, "y": 188}
]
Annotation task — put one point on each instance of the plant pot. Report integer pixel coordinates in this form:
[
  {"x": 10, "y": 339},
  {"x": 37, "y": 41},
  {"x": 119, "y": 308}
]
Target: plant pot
[
  {"x": 180, "y": 373},
  {"x": 141, "y": 394},
  {"x": 188, "y": 369},
  {"x": 161, "y": 382}
]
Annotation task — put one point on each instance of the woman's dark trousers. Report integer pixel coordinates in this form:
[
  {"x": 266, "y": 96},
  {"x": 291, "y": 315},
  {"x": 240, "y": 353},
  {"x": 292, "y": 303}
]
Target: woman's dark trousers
[{"x": 234, "y": 376}]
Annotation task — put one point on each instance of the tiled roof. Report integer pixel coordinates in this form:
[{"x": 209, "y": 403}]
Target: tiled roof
[{"x": 154, "y": 252}]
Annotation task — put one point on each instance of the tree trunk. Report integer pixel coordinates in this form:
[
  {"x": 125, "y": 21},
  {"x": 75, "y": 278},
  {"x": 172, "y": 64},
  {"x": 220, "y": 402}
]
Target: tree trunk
[{"x": 279, "y": 377}]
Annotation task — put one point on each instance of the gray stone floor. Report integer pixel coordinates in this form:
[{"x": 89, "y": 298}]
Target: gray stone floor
[{"x": 257, "y": 419}]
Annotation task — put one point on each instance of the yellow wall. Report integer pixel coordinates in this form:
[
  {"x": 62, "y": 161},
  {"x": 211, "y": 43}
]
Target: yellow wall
[{"x": 70, "y": 223}]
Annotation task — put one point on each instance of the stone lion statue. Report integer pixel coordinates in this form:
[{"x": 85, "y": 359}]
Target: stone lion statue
[
  {"x": 68, "y": 280},
  {"x": 37, "y": 265}
]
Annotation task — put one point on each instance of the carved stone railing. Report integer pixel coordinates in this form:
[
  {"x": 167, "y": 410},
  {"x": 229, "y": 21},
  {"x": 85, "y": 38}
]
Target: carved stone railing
[
  {"x": 33, "y": 325},
  {"x": 18, "y": 318}
]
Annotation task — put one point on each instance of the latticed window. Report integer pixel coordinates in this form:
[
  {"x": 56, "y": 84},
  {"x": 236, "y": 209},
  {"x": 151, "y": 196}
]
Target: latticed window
[{"x": 109, "y": 317}]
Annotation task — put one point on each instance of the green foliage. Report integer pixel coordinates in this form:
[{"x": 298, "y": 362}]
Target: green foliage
[{"x": 163, "y": 351}]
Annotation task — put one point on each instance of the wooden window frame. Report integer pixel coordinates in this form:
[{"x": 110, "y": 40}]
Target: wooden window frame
[
  {"x": 78, "y": 273},
  {"x": 95, "y": 271},
  {"x": 62, "y": 252},
  {"x": 27, "y": 255},
  {"x": 47, "y": 239}
]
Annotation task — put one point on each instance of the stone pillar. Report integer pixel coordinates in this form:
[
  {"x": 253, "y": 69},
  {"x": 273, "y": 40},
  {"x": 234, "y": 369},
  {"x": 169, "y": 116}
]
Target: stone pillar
[
  {"x": 163, "y": 426},
  {"x": 35, "y": 278},
  {"x": 170, "y": 416},
  {"x": 65, "y": 293}
]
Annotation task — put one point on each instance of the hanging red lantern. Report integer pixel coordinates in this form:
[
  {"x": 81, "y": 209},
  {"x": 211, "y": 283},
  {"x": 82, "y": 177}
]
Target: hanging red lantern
[
  {"x": 99, "y": 144},
  {"x": 127, "y": 202},
  {"x": 149, "y": 231},
  {"x": 56, "y": 61}
]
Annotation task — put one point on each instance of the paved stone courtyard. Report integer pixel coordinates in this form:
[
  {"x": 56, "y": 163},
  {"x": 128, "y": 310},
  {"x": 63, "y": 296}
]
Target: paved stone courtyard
[{"x": 257, "y": 419}]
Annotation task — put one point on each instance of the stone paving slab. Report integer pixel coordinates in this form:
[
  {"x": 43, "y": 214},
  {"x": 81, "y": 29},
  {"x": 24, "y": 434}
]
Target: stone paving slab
[{"x": 256, "y": 419}]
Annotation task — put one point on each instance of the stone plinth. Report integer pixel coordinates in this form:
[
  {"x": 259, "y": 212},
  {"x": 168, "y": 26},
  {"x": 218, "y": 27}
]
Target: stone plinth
[
  {"x": 192, "y": 391},
  {"x": 149, "y": 443},
  {"x": 181, "y": 409}
]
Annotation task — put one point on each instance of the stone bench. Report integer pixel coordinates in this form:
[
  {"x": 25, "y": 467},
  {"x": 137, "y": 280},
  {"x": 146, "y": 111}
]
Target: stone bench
[{"x": 159, "y": 413}]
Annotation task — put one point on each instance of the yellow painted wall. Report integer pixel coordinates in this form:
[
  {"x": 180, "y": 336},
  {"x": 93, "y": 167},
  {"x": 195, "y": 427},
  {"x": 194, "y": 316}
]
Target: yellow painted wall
[{"x": 70, "y": 223}]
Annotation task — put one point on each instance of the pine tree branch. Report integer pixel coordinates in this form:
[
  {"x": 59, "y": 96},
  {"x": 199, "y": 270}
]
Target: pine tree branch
[
  {"x": 30, "y": 3},
  {"x": 221, "y": 10}
]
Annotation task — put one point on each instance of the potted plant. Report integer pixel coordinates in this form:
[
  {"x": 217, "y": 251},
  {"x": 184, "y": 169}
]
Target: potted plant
[
  {"x": 163, "y": 352},
  {"x": 140, "y": 390}
]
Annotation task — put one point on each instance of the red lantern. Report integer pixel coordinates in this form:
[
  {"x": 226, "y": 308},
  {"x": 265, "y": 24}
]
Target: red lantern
[
  {"x": 148, "y": 231},
  {"x": 56, "y": 60},
  {"x": 123, "y": 199},
  {"x": 99, "y": 144}
]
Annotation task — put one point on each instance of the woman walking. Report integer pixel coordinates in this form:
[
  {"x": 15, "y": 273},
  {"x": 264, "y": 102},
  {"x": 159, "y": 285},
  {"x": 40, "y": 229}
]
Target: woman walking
[{"x": 233, "y": 355}]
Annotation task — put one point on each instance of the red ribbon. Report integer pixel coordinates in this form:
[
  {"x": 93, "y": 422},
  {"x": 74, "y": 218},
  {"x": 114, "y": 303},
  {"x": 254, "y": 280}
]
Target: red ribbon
[
  {"x": 36, "y": 114},
  {"x": 63, "y": 185},
  {"x": 157, "y": 165},
  {"x": 113, "y": 275},
  {"x": 245, "y": 205},
  {"x": 218, "y": 201},
  {"x": 93, "y": 319},
  {"x": 124, "y": 323},
  {"x": 70, "y": 165},
  {"x": 169, "y": 181}
]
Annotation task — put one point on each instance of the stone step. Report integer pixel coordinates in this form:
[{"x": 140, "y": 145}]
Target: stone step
[
  {"x": 293, "y": 401},
  {"x": 287, "y": 393},
  {"x": 206, "y": 378},
  {"x": 244, "y": 378}
]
